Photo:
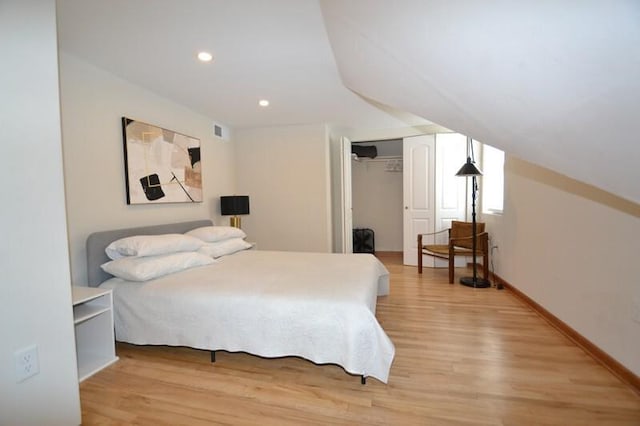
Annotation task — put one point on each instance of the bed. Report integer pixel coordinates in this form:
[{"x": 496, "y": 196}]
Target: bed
[{"x": 318, "y": 306}]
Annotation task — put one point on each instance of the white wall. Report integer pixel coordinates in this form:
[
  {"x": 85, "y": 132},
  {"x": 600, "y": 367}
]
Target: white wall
[
  {"x": 574, "y": 250},
  {"x": 286, "y": 173},
  {"x": 364, "y": 135},
  {"x": 337, "y": 188},
  {"x": 35, "y": 306},
  {"x": 377, "y": 202},
  {"x": 93, "y": 102}
]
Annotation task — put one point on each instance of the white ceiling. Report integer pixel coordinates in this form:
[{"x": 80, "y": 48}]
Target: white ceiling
[
  {"x": 272, "y": 49},
  {"x": 550, "y": 81}
]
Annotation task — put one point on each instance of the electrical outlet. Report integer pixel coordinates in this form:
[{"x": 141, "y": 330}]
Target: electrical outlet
[{"x": 26, "y": 363}]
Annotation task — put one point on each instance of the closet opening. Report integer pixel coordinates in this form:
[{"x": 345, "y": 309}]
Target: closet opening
[{"x": 377, "y": 198}]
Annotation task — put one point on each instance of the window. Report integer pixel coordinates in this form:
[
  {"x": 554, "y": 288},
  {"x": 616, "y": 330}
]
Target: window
[{"x": 492, "y": 179}]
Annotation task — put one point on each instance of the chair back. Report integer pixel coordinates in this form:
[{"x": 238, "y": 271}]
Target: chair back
[{"x": 465, "y": 230}]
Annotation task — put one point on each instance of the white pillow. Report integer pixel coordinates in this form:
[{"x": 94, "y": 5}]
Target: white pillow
[
  {"x": 223, "y": 248},
  {"x": 211, "y": 234},
  {"x": 134, "y": 268},
  {"x": 151, "y": 245}
]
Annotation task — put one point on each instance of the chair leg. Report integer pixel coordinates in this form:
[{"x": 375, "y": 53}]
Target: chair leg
[
  {"x": 419, "y": 254},
  {"x": 485, "y": 265},
  {"x": 485, "y": 258},
  {"x": 451, "y": 267}
]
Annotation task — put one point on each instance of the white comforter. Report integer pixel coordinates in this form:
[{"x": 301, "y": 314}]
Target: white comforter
[{"x": 314, "y": 305}]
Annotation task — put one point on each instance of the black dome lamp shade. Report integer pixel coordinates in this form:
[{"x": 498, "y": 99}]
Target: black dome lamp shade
[{"x": 469, "y": 169}]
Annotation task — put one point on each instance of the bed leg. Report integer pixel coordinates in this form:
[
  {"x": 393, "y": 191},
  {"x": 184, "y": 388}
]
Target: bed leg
[
  {"x": 213, "y": 356},
  {"x": 363, "y": 380}
]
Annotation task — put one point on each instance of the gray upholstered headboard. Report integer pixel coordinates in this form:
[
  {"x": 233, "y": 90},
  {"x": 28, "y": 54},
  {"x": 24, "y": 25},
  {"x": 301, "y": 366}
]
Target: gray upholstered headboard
[{"x": 98, "y": 241}]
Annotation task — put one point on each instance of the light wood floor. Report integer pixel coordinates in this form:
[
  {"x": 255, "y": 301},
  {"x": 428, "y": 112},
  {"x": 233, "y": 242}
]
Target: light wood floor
[{"x": 463, "y": 356}]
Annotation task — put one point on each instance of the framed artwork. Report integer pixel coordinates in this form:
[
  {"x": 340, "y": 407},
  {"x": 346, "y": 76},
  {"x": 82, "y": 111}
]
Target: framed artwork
[{"x": 160, "y": 165}]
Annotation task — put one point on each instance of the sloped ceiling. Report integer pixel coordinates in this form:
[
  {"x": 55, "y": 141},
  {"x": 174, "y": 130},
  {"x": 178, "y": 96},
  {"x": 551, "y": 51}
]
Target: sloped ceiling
[{"x": 556, "y": 83}]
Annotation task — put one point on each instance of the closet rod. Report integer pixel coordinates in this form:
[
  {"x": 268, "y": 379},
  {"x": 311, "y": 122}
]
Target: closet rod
[{"x": 381, "y": 158}]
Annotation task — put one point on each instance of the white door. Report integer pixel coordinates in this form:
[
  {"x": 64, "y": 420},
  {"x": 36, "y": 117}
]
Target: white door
[
  {"x": 347, "y": 205},
  {"x": 418, "y": 193},
  {"x": 450, "y": 190}
]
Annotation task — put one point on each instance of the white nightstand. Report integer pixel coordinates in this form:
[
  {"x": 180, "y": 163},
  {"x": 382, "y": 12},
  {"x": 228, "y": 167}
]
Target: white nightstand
[{"x": 93, "y": 320}]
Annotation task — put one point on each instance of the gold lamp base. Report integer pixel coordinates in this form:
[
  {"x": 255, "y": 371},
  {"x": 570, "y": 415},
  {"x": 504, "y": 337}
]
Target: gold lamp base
[{"x": 234, "y": 221}]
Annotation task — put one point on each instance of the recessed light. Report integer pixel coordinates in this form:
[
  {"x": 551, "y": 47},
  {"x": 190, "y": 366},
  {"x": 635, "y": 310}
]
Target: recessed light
[
  {"x": 205, "y": 56},
  {"x": 263, "y": 103}
]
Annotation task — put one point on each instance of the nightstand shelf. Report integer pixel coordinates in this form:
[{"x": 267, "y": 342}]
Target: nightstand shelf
[
  {"x": 84, "y": 312},
  {"x": 93, "y": 320}
]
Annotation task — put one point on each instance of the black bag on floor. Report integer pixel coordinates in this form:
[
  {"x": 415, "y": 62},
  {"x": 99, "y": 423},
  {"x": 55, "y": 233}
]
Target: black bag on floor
[{"x": 363, "y": 241}]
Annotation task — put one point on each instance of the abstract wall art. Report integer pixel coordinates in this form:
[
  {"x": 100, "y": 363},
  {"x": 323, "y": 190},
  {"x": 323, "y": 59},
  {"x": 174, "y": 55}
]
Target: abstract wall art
[{"x": 161, "y": 166}]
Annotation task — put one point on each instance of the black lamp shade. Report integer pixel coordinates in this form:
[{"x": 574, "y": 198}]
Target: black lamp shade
[
  {"x": 469, "y": 169},
  {"x": 232, "y": 205}
]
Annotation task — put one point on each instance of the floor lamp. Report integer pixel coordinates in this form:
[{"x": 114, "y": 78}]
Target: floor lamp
[{"x": 470, "y": 169}]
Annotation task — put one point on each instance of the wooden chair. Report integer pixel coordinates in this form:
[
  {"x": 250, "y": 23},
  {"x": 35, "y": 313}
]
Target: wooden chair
[{"x": 460, "y": 244}]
